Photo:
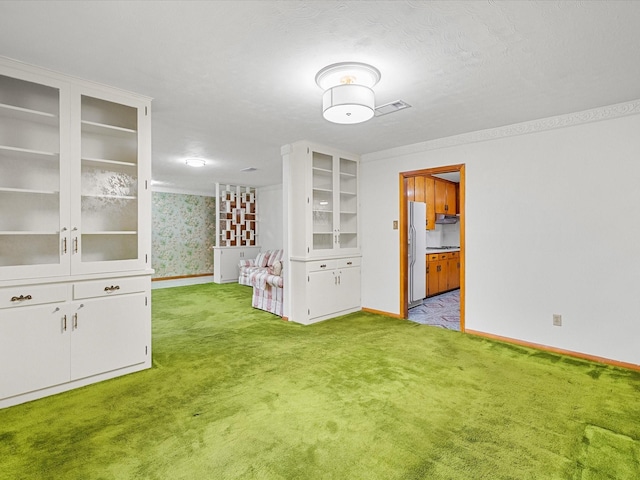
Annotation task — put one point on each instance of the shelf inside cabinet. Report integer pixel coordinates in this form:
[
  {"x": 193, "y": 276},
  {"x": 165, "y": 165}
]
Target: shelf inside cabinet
[
  {"x": 28, "y": 191},
  {"x": 24, "y": 232},
  {"x": 319, "y": 189},
  {"x": 104, "y": 128},
  {"x": 28, "y": 114},
  {"x": 119, "y": 197},
  {"x": 28, "y": 151},
  {"x": 348, "y": 193},
  {"x": 105, "y": 232},
  {"x": 105, "y": 161},
  {"x": 348, "y": 175}
]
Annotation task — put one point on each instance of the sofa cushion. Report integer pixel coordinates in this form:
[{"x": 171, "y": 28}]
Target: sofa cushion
[
  {"x": 276, "y": 268},
  {"x": 261, "y": 259},
  {"x": 275, "y": 256}
]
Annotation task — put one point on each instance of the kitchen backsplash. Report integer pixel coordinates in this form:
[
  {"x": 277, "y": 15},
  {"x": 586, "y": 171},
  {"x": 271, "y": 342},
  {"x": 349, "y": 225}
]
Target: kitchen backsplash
[{"x": 444, "y": 234}]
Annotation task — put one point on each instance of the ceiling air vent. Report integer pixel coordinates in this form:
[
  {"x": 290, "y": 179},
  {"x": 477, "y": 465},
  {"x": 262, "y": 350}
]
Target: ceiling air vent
[{"x": 391, "y": 107}]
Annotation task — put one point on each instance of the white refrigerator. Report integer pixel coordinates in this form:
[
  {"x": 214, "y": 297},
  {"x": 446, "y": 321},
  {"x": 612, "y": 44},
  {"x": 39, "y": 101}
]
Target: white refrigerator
[{"x": 417, "y": 253}]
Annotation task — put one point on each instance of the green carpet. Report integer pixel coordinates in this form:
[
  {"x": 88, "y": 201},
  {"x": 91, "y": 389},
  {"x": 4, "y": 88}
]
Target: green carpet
[{"x": 238, "y": 393}]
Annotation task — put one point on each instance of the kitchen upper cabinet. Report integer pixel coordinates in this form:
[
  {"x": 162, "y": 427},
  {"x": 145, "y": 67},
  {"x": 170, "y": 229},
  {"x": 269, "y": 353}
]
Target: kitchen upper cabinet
[
  {"x": 445, "y": 197},
  {"x": 410, "y": 188},
  {"x": 429, "y": 195},
  {"x": 421, "y": 188}
]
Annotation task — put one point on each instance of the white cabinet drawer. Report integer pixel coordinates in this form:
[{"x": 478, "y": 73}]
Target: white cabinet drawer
[
  {"x": 348, "y": 262},
  {"x": 320, "y": 265},
  {"x": 110, "y": 286},
  {"x": 26, "y": 295}
]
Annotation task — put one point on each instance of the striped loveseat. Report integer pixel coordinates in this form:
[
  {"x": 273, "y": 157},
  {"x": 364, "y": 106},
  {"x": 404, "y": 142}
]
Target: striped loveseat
[{"x": 264, "y": 274}]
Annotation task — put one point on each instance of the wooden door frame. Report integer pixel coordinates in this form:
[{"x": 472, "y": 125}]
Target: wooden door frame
[{"x": 404, "y": 267}]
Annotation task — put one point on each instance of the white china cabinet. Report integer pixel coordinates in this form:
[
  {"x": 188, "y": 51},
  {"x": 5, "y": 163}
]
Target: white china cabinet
[
  {"x": 75, "y": 215},
  {"x": 323, "y": 242}
]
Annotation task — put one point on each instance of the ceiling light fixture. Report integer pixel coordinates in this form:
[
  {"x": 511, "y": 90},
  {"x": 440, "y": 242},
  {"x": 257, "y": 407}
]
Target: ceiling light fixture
[
  {"x": 195, "y": 162},
  {"x": 348, "y": 96}
]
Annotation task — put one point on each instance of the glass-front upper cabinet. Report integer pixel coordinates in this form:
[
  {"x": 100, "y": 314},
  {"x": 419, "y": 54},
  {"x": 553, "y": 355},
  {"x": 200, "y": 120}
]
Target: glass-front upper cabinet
[
  {"x": 34, "y": 214},
  {"x": 322, "y": 201},
  {"x": 110, "y": 186},
  {"x": 334, "y": 205},
  {"x": 74, "y": 174},
  {"x": 348, "y": 181}
]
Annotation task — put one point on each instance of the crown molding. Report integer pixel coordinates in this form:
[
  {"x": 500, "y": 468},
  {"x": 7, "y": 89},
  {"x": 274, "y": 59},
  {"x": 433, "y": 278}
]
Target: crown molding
[{"x": 550, "y": 123}]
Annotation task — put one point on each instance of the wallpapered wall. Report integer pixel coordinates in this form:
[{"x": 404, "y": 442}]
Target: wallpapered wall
[{"x": 183, "y": 231}]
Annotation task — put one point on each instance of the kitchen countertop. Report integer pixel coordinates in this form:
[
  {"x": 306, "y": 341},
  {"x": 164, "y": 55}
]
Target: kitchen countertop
[{"x": 430, "y": 250}]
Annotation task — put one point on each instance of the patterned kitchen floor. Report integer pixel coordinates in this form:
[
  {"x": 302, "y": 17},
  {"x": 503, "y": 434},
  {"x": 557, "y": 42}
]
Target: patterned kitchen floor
[{"x": 440, "y": 311}]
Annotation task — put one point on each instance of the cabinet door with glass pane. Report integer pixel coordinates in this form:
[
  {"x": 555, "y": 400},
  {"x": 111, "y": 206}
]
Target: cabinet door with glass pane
[
  {"x": 34, "y": 193},
  {"x": 110, "y": 183},
  {"x": 334, "y": 203},
  {"x": 348, "y": 191},
  {"x": 322, "y": 202}
]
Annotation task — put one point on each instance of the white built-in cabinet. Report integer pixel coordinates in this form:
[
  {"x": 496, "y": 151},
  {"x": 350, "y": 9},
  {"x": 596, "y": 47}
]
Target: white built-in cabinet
[
  {"x": 75, "y": 216},
  {"x": 226, "y": 260},
  {"x": 323, "y": 242}
]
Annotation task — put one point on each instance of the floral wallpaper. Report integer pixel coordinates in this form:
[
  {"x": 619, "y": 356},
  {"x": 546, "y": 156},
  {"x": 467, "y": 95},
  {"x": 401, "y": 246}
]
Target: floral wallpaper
[{"x": 183, "y": 232}]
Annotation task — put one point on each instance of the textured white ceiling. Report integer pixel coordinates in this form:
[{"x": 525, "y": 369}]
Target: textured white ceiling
[{"x": 232, "y": 81}]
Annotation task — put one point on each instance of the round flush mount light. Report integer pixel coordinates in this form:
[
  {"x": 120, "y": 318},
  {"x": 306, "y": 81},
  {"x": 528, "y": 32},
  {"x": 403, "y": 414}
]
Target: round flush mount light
[
  {"x": 195, "y": 162},
  {"x": 348, "y": 73},
  {"x": 348, "y": 97}
]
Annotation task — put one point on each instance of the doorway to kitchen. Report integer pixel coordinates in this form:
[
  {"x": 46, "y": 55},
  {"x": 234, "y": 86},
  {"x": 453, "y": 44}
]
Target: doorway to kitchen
[{"x": 441, "y": 271}]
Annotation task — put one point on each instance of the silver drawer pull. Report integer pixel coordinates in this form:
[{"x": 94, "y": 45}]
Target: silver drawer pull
[
  {"x": 21, "y": 298},
  {"x": 111, "y": 288}
]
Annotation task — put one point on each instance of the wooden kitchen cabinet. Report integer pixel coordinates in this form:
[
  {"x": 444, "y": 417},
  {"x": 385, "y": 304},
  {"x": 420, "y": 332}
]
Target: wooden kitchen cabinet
[
  {"x": 429, "y": 195},
  {"x": 443, "y": 272},
  {"x": 445, "y": 197},
  {"x": 453, "y": 270},
  {"x": 421, "y": 188}
]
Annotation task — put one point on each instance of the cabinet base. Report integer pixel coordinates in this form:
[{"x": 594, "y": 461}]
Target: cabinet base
[
  {"x": 53, "y": 390},
  {"x": 311, "y": 321}
]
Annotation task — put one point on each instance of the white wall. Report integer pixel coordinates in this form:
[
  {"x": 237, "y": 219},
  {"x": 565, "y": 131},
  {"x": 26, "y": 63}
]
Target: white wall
[
  {"x": 552, "y": 226},
  {"x": 270, "y": 217}
]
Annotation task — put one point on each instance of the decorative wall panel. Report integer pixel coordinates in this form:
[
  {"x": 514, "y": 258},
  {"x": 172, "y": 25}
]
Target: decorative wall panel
[{"x": 237, "y": 216}]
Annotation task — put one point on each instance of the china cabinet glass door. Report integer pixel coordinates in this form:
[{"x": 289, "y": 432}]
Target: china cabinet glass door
[
  {"x": 334, "y": 203},
  {"x": 106, "y": 236},
  {"x": 348, "y": 181},
  {"x": 33, "y": 188},
  {"x": 323, "y": 233}
]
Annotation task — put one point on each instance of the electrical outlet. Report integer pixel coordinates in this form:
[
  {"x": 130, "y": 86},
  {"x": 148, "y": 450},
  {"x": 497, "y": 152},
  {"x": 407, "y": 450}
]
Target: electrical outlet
[
  {"x": 395, "y": 224},
  {"x": 557, "y": 320}
]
